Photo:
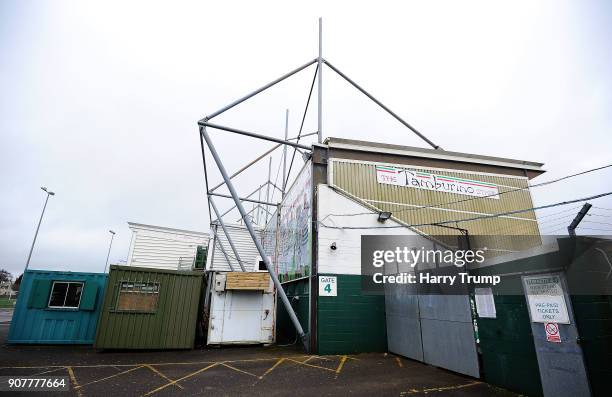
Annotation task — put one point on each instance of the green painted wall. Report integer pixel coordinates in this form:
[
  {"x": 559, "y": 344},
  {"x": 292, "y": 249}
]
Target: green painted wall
[
  {"x": 298, "y": 294},
  {"x": 594, "y": 321},
  {"x": 351, "y": 322},
  {"x": 508, "y": 354}
]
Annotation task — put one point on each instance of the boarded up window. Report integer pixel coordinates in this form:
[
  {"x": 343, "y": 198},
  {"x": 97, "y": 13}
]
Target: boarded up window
[{"x": 138, "y": 297}]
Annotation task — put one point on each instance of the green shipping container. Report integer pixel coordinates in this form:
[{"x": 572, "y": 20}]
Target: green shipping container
[{"x": 149, "y": 309}]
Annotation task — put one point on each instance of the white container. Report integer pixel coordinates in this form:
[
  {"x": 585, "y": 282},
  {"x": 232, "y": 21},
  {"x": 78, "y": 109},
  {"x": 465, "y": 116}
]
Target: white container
[{"x": 240, "y": 316}]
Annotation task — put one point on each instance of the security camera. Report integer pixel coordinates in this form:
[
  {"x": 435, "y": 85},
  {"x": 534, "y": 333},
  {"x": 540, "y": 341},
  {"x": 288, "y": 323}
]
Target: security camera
[{"x": 333, "y": 246}]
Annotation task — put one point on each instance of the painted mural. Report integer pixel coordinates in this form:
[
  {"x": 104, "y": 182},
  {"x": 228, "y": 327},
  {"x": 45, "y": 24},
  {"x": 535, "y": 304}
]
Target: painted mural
[{"x": 292, "y": 232}]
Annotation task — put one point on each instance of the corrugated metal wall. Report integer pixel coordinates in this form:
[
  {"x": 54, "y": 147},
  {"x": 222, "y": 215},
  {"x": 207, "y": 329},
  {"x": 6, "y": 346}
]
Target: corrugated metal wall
[
  {"x": 358, "y": 178},
  {"x": 171, "y": 326},
  {"x": 242, "y": 241},
  {"x": 41, "y": 324},
  {"x": 162, "y": 249}
]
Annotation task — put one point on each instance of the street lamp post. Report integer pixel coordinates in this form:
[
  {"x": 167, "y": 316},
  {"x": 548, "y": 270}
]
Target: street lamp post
[
  {"x": 109, "y": 249},
  {"x": 38, "y": 227}
]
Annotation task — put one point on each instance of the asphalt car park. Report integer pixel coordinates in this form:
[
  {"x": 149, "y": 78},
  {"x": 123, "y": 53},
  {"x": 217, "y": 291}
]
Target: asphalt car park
[{"x": 232, "y": 371}]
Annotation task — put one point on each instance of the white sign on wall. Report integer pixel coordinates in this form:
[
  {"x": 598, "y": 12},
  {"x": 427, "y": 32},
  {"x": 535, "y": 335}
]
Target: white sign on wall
[
  {"x": 440, "y": 183},
  {"x": 546, "y": 299},
  {"x": 485, "y": 303},
  {"x": 328, "y": 286}
]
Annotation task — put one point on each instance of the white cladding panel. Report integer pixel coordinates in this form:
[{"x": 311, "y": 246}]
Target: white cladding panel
[
  {"x": 244, "y": 245},
  {"x": 346, "y": 258},
  {"x": 163, "y": 248}
]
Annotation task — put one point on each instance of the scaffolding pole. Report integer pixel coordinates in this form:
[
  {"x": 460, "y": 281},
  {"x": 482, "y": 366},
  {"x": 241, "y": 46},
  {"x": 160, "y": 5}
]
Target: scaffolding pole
[
  {"x": 257, "y": 91},
  {"x": 379, "y": 103},
  {"x": 242, "y": 199},
  {"x": 249, "y": 195},
  {"x": 216, "y": 236},
  {"x": 268, "y": 187},
  {"x": 320, "y": 83},
  {"x": 247, "y": 166},
  {"x": 227, "y": 235},
  {"x": 285, "y": 154},
  {"x": 262, "y": 253},
  {"x": 252, "y": 134}
]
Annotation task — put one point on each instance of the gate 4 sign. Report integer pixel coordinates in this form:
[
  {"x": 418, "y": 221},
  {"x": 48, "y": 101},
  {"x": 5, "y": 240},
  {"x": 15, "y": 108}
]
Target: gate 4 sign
[
  {"x": 552, "y": 332},
  {"x": 328, "y": 286}
]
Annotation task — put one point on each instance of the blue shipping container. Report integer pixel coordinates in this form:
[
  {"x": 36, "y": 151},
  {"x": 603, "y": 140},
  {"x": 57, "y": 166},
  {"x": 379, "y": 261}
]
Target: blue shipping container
[{"x": 57, "y": 307}]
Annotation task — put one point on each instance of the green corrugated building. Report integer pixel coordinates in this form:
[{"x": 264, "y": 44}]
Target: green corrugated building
[{"x": 146, "y": 308}]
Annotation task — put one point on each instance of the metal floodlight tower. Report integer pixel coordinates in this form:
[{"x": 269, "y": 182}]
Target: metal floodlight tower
[
  {"x": 109, "y": 249},
  {"x": 49, "y": 193},
  {"x": 305, "y": 150}
]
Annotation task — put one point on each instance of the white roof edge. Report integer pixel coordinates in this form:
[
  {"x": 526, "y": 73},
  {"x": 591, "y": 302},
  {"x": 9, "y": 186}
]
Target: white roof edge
[
  {"x": 134, "y": 225},
  {"x": 439, "y": 154}
]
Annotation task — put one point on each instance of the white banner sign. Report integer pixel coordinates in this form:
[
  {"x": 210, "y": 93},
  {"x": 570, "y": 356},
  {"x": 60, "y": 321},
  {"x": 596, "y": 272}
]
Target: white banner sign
[
  {"x": 439, "y": 183},
  {"x": 546, "y": 299}
]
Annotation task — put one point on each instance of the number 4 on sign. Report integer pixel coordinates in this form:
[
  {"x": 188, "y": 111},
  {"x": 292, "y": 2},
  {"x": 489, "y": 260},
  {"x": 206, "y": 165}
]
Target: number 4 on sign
[{"x": 328, "y": 286}]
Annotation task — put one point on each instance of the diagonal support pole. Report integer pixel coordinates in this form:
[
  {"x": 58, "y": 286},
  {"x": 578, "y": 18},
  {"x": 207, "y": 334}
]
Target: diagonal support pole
[
  {"x": 243, "y": 198},
  {"x": 227, "y": 235},
  {"x": 249, "y": 195},
  {"x": 398, "y": 118},
  {"x": 235, "y": 174},
  {"x": 252, "y": 134},
  {"x": 257, "y": 91},
  {"x": 260, "y": 249},
  {"x": 218, "y": 241}
]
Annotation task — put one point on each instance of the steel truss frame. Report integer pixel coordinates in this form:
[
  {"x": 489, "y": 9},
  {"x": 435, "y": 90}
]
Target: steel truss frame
[{"x": 205, "y": 124}]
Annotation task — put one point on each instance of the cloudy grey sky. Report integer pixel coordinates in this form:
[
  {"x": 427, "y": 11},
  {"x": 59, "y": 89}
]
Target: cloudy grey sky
[{"x": 99, "y": 101}]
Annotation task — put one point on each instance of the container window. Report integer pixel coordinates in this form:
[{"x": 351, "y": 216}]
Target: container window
[
  {"x": 65, "y": 295},
  {"x": 138, "y": 297}
]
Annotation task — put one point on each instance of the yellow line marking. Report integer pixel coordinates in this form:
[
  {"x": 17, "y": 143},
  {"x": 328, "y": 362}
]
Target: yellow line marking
[
  {"x": 342, "y": 361},
  {"x": 74, "y": 381},
  {"x": 308, "y": 359},
  {"x": 181, "y": 379},
  {"x": 162, "y": 375},
  {"x": 444, "y": 388},
  {"x": 317, "y": 357},
  {"x": 46, "y": 372},
  {"x": 399, "y": 362},
  {"x": 239, "y": 370},
  {"x": 167, "y": 363},
  {"x": 309, "y": 365},
  {"x": 276, "y": 364},
  {"x": 109, "y": 377}
]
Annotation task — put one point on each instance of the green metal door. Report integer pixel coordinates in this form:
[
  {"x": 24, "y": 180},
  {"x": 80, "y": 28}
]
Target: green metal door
[{"x": 506, "y": 344}]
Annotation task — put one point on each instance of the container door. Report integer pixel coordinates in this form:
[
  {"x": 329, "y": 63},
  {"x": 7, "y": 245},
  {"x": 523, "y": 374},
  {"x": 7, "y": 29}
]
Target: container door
[
  {"x": 267, "y": 317},
  {"x": 242, "y": 317}
]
